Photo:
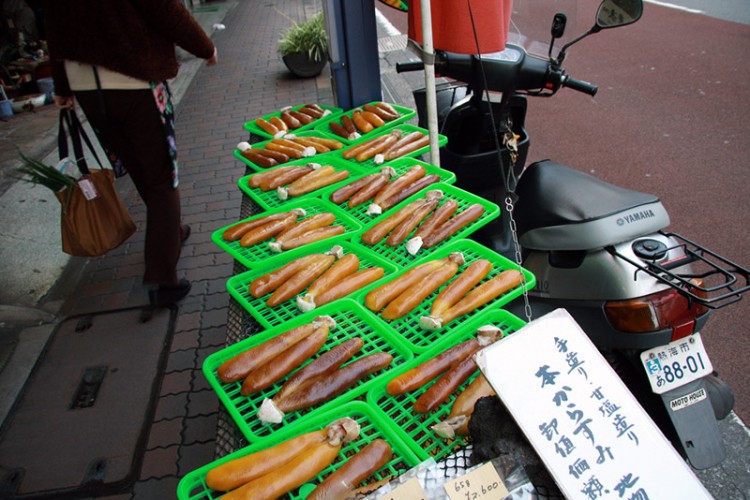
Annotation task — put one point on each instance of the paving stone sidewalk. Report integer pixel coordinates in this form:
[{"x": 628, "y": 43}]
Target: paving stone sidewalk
[{"x": 250, "y": 80}]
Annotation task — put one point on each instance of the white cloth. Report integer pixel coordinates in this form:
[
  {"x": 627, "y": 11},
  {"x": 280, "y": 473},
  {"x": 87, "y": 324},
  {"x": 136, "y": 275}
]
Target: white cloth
[{"x": 81, "y": 77}]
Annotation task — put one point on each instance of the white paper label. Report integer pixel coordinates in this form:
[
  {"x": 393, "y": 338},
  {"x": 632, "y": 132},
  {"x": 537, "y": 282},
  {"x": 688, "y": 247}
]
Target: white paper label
[
  {"x": 410, "y": 490},
  {"x": 688, "y": 400},
  {"x": 482, "y": 483},
  {"x": 88, "y": 188}
]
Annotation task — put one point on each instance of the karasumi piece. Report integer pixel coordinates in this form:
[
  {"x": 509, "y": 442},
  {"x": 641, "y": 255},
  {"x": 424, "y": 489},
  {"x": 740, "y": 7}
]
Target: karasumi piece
[
  {"x": 288, "y": 465},
  {"x": 342, "y": 482},
  {"x": 285, "y": 362},
  {"x": 239, "y": 366},
  {"x": 323, "y": 388},
  {"x": 457, "y": 421},
  {"x": 476, "y": 298}
]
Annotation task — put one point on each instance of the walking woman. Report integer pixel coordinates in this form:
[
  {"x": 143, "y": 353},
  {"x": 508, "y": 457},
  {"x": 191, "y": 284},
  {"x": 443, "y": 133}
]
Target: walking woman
[{"x": 113, "y": 58}]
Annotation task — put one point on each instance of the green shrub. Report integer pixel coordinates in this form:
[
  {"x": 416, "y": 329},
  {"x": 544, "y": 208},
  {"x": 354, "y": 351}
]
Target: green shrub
[{"x": 306, "y": 37}]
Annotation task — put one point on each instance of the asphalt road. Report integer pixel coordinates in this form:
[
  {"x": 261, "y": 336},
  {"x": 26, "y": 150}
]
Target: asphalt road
[
  {"x": 671, "y": 118},
  {"x": 730, "y": 10}
]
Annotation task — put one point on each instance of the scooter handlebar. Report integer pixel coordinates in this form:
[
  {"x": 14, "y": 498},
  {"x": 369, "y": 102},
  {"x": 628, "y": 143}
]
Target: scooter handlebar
[
  {"x": 409, "y": 66},
  {"x": 526, "y": 73},
  {"x": 579, "y": 85}
]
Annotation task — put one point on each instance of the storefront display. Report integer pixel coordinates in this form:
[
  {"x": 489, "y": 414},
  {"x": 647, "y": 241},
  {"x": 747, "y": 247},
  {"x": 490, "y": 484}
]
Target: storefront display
[{"x": 344, "y": 366}]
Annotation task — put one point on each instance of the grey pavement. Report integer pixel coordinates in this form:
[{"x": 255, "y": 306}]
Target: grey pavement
[{"x": 41, "y": 286}]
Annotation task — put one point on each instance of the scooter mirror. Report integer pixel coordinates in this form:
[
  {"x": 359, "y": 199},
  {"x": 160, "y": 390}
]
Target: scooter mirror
[
  {"x": 557, "y": 30},
  {"x": 614, "y": 13},
  {"x": 558, "y": 25},
  {"x": 611, "y": 14}
]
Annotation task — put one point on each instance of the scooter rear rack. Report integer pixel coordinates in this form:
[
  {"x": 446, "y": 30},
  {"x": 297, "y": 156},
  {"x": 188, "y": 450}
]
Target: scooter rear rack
[{"x": 724, "y": 281}]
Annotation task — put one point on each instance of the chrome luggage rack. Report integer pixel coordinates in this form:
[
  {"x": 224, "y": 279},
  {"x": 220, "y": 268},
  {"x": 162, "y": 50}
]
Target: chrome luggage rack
[{"x": 723, "y": 281}]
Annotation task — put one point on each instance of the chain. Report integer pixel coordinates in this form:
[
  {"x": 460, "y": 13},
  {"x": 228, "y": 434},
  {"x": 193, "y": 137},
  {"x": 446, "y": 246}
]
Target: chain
[
  {"x": 517, "y": 247},
  {"x": 511, "y": 143}
]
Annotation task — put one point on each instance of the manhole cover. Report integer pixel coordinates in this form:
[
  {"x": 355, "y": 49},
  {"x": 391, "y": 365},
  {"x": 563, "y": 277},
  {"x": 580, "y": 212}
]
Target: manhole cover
[{"x": 81, "y": 424}]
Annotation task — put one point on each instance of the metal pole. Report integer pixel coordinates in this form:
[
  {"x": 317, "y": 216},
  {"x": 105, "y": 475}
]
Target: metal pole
[{"x": 428, "y": 53}]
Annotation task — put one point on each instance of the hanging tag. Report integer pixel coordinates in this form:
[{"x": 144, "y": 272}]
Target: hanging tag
[
  {"x": 410, "y": 490},
  {"x": 88, "y": 188},
  {"x": 481, "y": 483}
]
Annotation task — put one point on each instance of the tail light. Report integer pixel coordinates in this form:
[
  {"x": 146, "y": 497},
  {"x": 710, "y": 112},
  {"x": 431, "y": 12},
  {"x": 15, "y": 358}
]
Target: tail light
[{"x": 658, "y": 311}]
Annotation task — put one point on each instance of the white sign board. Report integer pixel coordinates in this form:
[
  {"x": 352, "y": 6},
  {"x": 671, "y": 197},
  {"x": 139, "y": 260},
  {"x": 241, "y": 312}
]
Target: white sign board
[{"x": 591, "y": 433}]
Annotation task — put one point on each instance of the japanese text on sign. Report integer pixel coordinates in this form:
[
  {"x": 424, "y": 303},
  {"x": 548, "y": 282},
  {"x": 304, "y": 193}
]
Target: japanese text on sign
[{"x": 591, "y": 433}]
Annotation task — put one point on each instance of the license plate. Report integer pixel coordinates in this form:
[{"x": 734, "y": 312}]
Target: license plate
[{"x": 676, "y": 363}]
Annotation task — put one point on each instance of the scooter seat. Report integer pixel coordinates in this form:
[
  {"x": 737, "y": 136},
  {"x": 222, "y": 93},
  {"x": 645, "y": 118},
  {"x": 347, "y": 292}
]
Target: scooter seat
[{"x": 560, "y": 208}]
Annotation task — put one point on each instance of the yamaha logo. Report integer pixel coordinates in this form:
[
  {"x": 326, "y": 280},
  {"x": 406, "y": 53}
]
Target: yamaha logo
[{"x": 635, "y": 217}]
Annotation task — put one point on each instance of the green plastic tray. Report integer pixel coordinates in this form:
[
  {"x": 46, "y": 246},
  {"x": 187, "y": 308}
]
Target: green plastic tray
[
  {"x": 464, "y": 198},
  {"x": 270, "y": 199},
  {"x": 315, "y": 158},
  {"x": 372, "y": 426},
  {"x": 352, "y": 321},
  {"x": 406, "y": 115},
  {"x": 400, "y": 166},
  {"x": 408, "y": 327},
  {"x": 406, "y": 128},
  {"x": 272, "y": 316},
  {"x": 260, "y": 255},
  {"x": 256, "y": 130},
  {"x": 414, "y": 428}
]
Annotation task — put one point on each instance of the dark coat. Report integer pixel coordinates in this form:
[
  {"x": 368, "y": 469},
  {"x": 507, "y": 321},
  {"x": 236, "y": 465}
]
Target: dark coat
[{"x": 133, "y": 37}]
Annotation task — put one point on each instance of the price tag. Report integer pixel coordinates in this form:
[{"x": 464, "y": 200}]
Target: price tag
[
  {"x": 410, "y": 490},
  {"x": 482, "y": 483},
  {"x": 88, "y": 188}
]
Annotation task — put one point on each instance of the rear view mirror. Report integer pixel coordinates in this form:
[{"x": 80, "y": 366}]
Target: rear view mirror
[
  {"x": 611, "y": 14},
  {"x": 614, "y": 13}
]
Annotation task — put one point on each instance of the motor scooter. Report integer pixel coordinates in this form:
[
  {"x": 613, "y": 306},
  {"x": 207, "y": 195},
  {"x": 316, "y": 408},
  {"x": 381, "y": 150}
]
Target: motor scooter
[{"x": 602, "y": 252}]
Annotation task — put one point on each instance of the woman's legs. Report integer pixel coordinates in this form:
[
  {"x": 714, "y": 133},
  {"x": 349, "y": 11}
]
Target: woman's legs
[{"x": 132, "y": 128}]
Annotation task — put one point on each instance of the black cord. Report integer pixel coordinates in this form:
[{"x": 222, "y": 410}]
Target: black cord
[
  {"x": 99, "y": 93},
  {"x": 507, "y": 173}
]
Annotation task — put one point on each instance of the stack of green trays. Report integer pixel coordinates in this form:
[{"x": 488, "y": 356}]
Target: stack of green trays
[
  {"x": 407, "y": 327},
  {"x": 406, "y": 114},
  {"x": 352, "y": 320},
  {"x": 273, "y": 316},
  {"x": 405, "y": 129},
  {"x": 414, "y": 428},
  {"x": 372, "y": 426},
  {"x": 259, "y": 168},
  {"x": 464, "y": 198},
  {"x": 261, "y": 255},
  {"x": 270, "y": 199},
  {"x": 400, "y": 166},
  {"x": 256, "y": 130},
  {"x": 379, "y": 414}
]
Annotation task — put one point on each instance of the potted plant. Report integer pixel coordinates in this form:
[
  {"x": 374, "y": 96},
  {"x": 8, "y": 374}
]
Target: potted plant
[{"x": 304, "y": 47}]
